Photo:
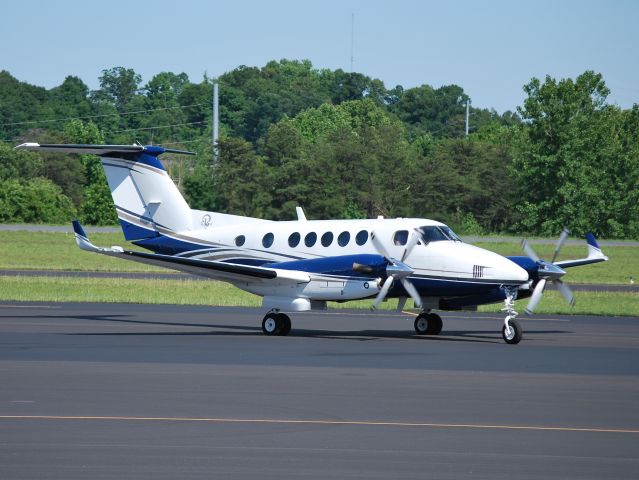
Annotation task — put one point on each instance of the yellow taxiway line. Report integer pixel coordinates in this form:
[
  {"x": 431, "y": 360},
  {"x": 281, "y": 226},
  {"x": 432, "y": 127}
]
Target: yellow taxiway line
[{"x": 318, "y": 422}]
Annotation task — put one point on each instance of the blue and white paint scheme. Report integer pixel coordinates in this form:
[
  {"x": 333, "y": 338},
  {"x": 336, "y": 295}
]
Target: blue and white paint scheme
[{"x": 300, "y": 265}]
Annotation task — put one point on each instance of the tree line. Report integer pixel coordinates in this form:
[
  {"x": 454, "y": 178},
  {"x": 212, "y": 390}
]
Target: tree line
[{"x": 340, "y": 144}]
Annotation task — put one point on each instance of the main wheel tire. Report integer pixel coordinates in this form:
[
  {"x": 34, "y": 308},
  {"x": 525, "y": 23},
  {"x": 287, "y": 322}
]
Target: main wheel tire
[
  {"x": 285, "y": 324},
  {"x": 271, "y": 324},
  {"x": 515, "y": 335},
  {"x": 428, "y": 324},
  {"x": 435, "y": 324}
]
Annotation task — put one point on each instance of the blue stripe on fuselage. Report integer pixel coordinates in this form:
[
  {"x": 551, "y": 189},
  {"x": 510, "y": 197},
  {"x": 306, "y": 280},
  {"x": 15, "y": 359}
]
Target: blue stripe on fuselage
[{"x": 341, "y": 265}]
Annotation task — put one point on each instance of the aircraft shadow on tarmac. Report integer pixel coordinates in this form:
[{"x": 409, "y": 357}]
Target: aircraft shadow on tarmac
[{"x": 475, "y": 336}]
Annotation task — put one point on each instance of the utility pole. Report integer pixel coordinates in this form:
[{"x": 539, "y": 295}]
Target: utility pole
[
  {"x": 352, "y": 39},
  {"x": 215, "y": 121},
  {"x": 467, "y": 114}
]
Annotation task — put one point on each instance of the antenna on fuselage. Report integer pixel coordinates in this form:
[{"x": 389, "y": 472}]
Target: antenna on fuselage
[{"x": 300, "y": 214}]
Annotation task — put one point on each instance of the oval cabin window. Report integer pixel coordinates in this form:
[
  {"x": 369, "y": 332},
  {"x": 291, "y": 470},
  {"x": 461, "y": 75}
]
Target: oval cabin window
[
  {"x": 327, "y": 239},
  {"x": 362, "y": 237},
  {"x": 267, "y": 240},
  {"x": 310, "y": 239},
  {"x": 343, "y": 239},
  {"x": 294, "y": 240}
]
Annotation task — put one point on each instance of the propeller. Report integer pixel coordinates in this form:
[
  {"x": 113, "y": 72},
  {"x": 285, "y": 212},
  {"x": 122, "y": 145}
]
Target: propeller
[
  {"x": 397, "y": 270},
  {"x": 548, "y": 272}
]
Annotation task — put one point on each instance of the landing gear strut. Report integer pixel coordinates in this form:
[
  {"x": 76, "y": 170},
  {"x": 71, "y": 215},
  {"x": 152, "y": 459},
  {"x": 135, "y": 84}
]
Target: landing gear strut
[
  {"x": 511, "y": 331},
  {"x": 428, "y": 323},
  {"x": 275, "y": 323}
]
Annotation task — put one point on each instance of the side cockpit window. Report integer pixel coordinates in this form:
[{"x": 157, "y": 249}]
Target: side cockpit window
[{"x": 400, "y": 237}]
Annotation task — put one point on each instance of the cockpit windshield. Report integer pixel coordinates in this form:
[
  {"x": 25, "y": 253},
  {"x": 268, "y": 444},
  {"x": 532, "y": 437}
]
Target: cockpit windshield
[
  {"x": 436, "y": 233},
  {"x": 449, "y": 232}
]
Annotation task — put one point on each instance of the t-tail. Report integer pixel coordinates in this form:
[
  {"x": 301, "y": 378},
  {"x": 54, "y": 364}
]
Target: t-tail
[{"x": 147, "y": 201}]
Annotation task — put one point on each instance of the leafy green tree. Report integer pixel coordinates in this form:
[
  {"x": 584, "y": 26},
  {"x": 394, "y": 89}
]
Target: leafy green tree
[
  {"x": 356, "y": 86},
  {"x": 18, "y": 164},
  {"x": 576, "y": 158},
  {"x": 36, "y": 200},
  {"x": 440, "y": 112},
  {"x": 118, "y": 86},
  {"x": 478, "y": 187},
  {"x": 97, "y": 208},
  {"x": 77, "y": 131},
  {"x": 20, "y": 102},
  {"x": 238, "y": 178},
  {"x": 70, "y": 99}
]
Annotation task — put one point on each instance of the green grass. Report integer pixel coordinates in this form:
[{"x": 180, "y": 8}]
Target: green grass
[
  {"x": 587, "y": 303},
  {"x": 195, "y": 292},
  {"x": 123, "y": 290},
  {"x": 58, "y": 251}
]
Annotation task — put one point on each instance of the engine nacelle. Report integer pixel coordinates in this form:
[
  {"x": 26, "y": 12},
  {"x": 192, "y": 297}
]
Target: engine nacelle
[{"x": 336, "y": 289}]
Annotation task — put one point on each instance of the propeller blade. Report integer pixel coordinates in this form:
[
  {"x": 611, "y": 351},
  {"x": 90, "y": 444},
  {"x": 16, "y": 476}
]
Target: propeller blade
[
  {"x": 382, "y": 292},
  {"x": 562, "y": 238},
  {"x": 529, "y": 250},
  {"x": 401, "y": 303},
  {"x": 412, "y": 242},
  {"x": 566, "y": 292},
  {"x": 412, "y": 291},
  {"x": 536, "y": 296},
  {"x": 379, "y": 246}
]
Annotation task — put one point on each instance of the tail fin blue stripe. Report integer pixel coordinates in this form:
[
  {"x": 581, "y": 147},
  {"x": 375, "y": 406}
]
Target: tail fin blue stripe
[
  {"x": 77, "y": 228},
  {"x": 590, "y": 238}
]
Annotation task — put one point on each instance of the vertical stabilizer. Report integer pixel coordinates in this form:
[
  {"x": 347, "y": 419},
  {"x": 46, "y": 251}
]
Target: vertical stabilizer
[{"x": 147, "y": 201}]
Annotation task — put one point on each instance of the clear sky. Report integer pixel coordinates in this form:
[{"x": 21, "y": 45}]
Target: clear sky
[{"x": 491, "y": 48}]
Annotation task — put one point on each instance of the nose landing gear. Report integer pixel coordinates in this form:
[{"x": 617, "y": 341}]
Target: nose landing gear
[{"x": 511, "y": 331}]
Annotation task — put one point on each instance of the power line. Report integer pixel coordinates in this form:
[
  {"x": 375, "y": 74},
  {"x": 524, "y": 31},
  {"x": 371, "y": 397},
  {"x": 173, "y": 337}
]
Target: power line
[
  {"x": 180, "y": 143},
  {"x": 102, "y": 115},
  {"x": 153, "y": 128},
  {"x": 18, "y": 139}
]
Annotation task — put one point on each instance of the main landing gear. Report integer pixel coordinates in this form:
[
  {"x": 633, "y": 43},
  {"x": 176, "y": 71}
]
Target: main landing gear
[
  {"x": 428, "y": 323},
  {"x": 275, "y": 323}
]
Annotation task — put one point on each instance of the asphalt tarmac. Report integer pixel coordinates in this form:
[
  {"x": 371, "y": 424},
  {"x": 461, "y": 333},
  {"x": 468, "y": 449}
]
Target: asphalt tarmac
[{"x": 150, "y": 391}]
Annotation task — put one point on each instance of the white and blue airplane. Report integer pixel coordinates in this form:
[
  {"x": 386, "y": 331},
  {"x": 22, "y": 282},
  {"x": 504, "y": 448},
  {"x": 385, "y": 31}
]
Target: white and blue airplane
[{"x": 303, "y": 264}]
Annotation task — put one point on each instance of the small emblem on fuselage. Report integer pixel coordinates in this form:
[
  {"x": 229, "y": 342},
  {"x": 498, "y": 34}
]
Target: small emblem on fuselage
[{"x": 206, "y": 221}]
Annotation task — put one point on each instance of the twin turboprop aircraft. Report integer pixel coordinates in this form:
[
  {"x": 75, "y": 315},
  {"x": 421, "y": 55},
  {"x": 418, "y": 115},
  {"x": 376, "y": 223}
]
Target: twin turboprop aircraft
[{"x": 300, "y": 265}]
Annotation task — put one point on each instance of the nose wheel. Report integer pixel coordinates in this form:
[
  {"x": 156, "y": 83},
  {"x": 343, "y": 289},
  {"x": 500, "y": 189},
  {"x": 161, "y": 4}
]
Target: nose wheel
[
  {"x": 428, "y": 324},
  {"x": 276, "y": 324},
  {"x": 512, "y": 332}
]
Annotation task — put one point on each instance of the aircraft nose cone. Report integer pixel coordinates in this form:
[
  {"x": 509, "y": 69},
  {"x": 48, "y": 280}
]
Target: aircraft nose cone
[{"x": 516, "y": 273}]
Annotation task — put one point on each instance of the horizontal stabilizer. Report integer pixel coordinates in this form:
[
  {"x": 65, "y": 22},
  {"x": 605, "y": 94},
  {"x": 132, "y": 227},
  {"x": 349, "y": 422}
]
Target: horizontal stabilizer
[
  {"x": 595, "y": 255},
  {"x": 101, "y": 150}
]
